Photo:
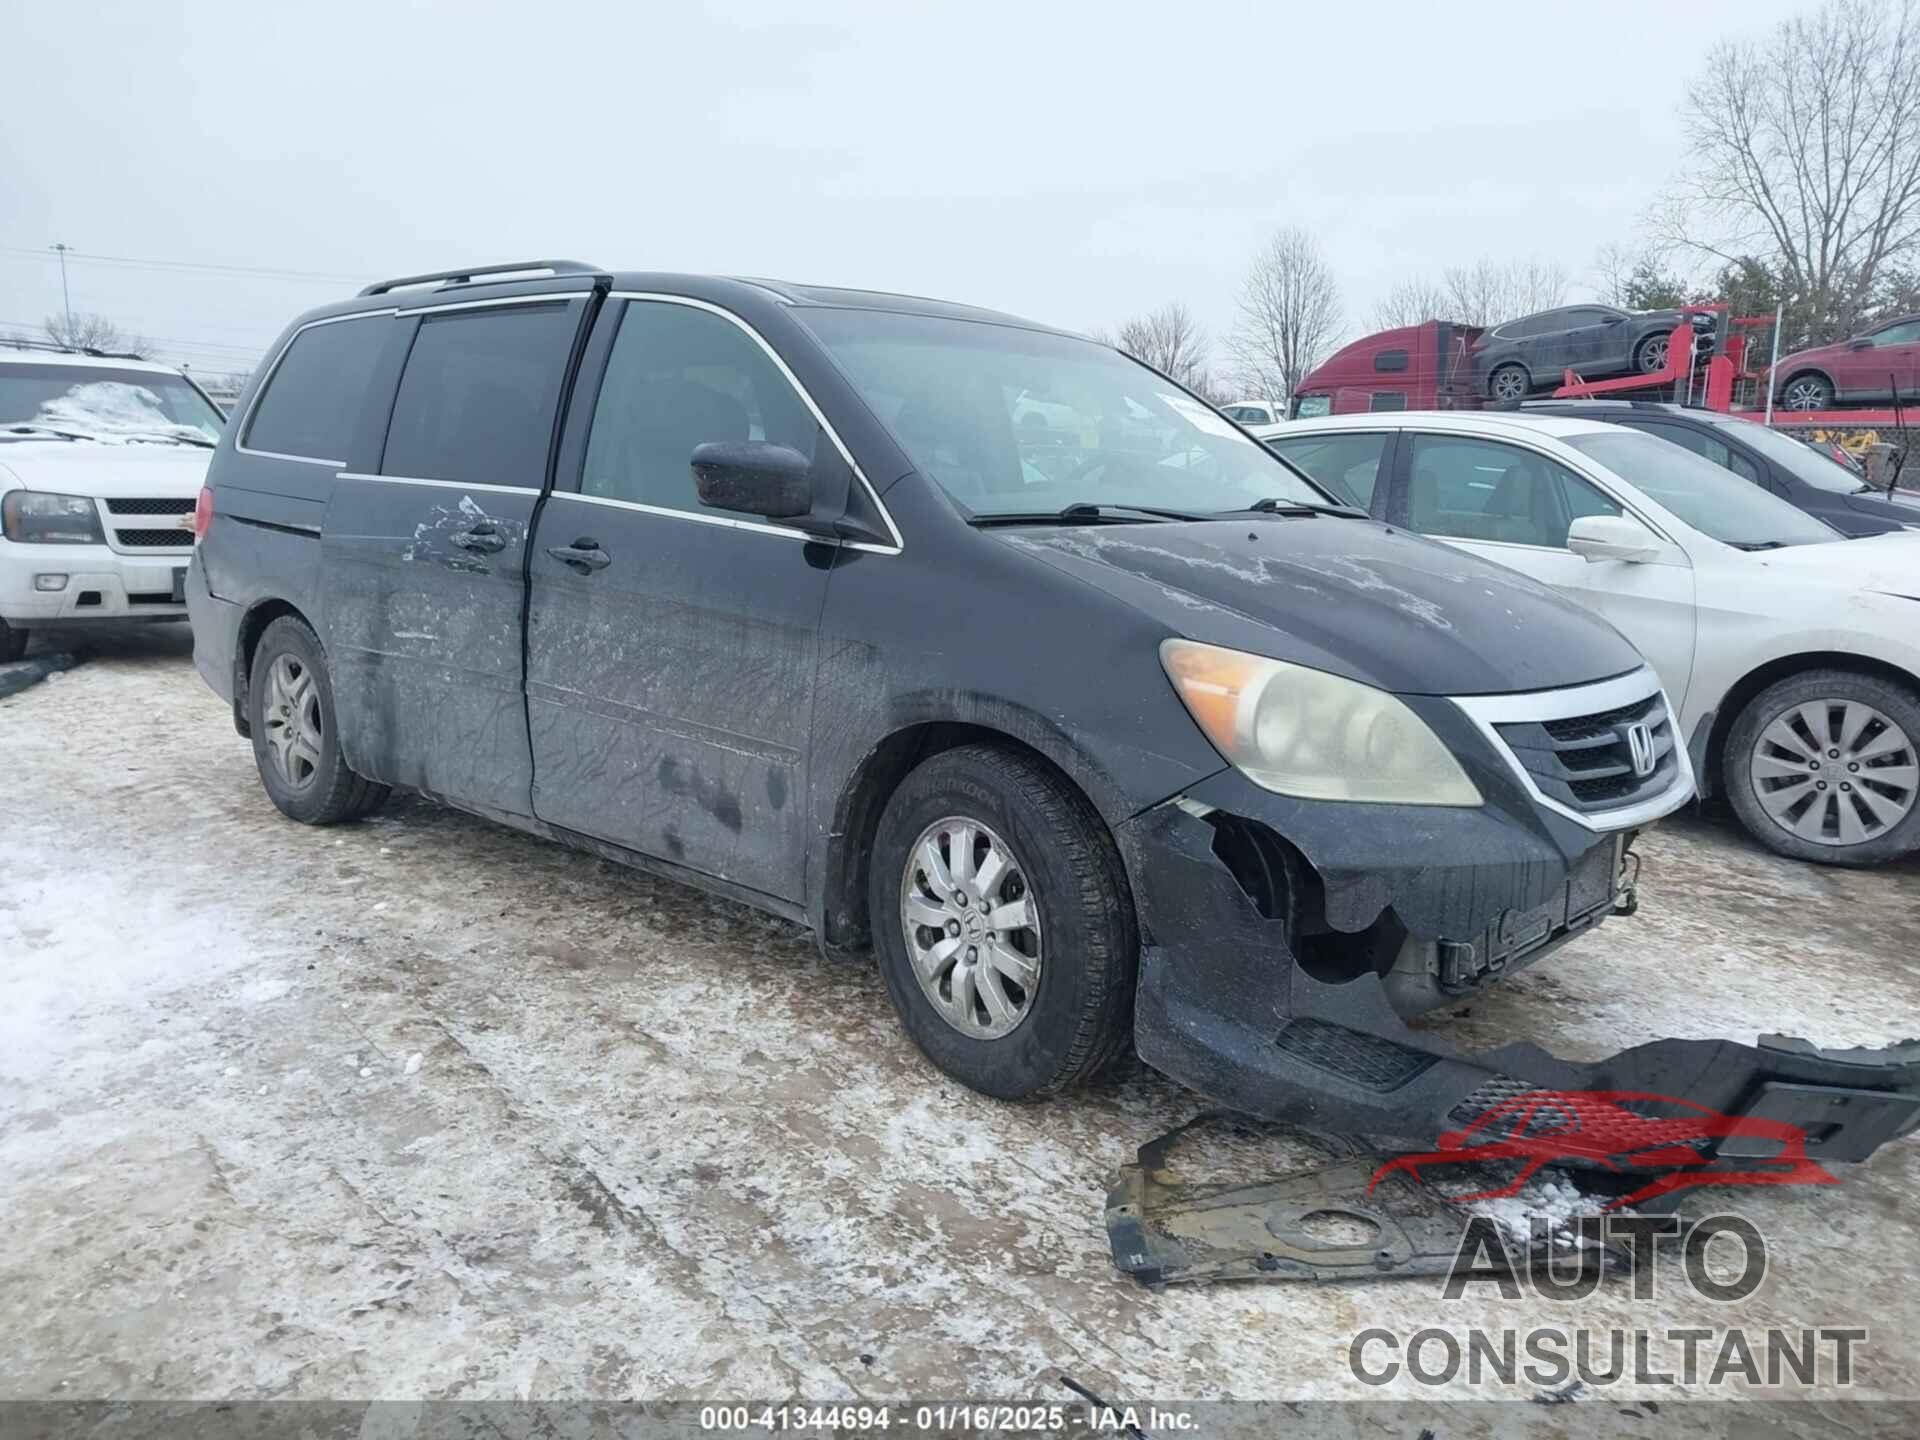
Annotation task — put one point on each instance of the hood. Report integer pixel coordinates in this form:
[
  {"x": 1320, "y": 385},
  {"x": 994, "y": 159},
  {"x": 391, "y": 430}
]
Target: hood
[
  {"x": 1903, "y": 505},
  {"x": 1352, "y": 597},
  {"x": 1887, "y": 564},
  {"x": 86, "y": 467}
]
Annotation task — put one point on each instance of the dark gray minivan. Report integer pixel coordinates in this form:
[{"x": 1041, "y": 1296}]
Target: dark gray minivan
[{"x": 951, "y": 636}]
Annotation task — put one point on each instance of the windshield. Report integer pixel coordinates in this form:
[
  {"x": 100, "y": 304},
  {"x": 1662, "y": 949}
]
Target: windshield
[
  {"x": 1802, "y": 462},
  {"x": 1018, "y": 422},
  {"x": 1713, "y": 501},
  {"x": 104, "y": 404}
]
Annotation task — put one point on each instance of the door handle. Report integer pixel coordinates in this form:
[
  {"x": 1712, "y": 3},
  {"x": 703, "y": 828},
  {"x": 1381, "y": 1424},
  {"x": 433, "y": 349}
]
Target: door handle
[
  {"x": 483, "y": 539},
  {"x": 585, "y": 556}
]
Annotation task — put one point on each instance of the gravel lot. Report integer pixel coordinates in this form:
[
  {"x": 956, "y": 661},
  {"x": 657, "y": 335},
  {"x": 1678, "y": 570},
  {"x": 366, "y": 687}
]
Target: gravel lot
[{"x": 654, "y": 1146}]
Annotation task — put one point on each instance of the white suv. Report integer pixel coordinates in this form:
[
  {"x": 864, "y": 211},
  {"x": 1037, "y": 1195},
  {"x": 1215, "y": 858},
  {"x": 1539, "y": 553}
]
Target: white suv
[{"x": 101, "y": 461}]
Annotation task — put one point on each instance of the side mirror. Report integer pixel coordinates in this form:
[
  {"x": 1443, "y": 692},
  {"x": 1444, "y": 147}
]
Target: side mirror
[
  {"x": 1860, "y": 342},
  {"x": 1612, "y": 537},
  {"x": 755, "y": 477}
]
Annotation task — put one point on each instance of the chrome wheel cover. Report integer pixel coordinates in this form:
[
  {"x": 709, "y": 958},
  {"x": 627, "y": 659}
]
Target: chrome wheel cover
[
  {"x": 1834, "y": 772},
  {"x": 972, "y": 927}
]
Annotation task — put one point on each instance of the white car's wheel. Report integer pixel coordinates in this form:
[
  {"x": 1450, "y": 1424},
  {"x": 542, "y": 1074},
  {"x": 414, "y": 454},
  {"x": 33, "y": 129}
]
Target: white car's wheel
[{"x": 1825, "y": 766}]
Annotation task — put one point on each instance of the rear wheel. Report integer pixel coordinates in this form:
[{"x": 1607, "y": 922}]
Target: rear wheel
[
  {"x": 296, "y": 741},
  {"x": 1651, "y": 356},
  {"x": 1807, "y": 392},
  {"x": 1825, "y": 766},
  {"x": 13, "y": 642},
  {"x": 1003, "y": 923},
  {"x": 1509, "y": 382}
]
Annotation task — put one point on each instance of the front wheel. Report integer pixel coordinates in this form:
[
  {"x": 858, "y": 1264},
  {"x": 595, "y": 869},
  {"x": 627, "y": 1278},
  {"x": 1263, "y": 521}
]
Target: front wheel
[
  {"x": 1823, "y": 767},
  {"x": 13, "y": 642},
  {"x": 1003, "y": 923},
  {"x": 296, "y": 741},
  {"x": 1651, "y": 357}
]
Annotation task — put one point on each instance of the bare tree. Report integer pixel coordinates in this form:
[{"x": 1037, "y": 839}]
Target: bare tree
[
  {"x": 1170, "y": 340},
  {"x": 1289, "y": 312},
  {"x": 1411, "y": 302},
  {"x": 85, "y": 331},
  {"x": 1488, "y": 292},
  {"x": 1805, "y": 151}
]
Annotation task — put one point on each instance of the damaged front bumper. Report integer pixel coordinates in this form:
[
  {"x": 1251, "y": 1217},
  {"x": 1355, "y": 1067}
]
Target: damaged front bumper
[{"x": 1267, "y": 972}]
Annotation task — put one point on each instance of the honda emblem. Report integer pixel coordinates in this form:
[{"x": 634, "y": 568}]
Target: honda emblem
[{"x": 1640, "y": 746}]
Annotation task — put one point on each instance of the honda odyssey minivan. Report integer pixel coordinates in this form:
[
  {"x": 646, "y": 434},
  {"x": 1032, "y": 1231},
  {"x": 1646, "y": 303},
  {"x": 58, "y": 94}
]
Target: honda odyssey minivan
[{"x": 1111, "y": 732}]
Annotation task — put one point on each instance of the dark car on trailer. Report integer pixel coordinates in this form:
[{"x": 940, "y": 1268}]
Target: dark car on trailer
[
  {"x": 754, "y": 585},
  {"x": 1512, "y": 361},
  {"x": 1798, "y": 473}
]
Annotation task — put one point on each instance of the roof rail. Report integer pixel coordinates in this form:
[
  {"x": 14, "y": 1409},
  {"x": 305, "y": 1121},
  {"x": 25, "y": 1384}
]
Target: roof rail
[
  {"x": 51, "y": 347},
  {"x": 462, "y": 277}
]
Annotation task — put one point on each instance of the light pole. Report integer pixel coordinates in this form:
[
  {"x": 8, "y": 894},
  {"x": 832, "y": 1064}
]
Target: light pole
[
  {"x": 66, "y": 300},
  {"x": 1779, "y": 315}
]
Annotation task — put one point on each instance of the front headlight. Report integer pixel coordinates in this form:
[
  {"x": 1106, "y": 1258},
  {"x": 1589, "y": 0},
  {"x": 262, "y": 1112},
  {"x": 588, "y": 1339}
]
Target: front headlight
[
  {"x": 34, "y": 517},
  {"x": 1304, "y": 732}
]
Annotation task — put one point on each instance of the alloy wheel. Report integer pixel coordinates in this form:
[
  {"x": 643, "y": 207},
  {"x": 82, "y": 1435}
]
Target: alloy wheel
[
  {"x": 1805, "y": 393},
  {"x": 1835, "y": 772},
  {"x": 972, "y": 926},
  {"x": 1653, "y": 354},
  {"x": 293, "y": 720},
  {"x": 1510, "y": 384}
]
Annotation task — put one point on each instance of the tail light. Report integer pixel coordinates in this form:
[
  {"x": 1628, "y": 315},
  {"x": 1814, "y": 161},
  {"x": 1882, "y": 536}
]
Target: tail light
[{"x": 202, "y": 515}]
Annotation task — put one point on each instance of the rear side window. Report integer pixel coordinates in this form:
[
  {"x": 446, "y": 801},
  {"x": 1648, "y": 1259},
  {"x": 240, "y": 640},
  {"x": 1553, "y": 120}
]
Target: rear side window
[
  {"x": 1348, "y": 465},
  {"x": 311, "y": 406},
  {"x": 476, "y": 401},
  {"x": 680, "y": 377},
  {"x": 1707, "y": 447}
]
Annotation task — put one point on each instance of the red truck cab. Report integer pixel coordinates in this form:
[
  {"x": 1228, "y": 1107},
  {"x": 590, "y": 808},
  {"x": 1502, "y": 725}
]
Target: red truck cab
[{"x": 1417, "y": 367}]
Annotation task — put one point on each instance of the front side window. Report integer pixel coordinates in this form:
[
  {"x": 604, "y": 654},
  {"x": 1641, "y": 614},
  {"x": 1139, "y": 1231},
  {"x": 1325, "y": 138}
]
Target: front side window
[
  {"x": 677, "y": 378},
  {"x": 1904, "y": 334},
  {"x": 1124, "y": 436},
  {"x": 1708, "y": 498},
  {"x": 312, "y": 402},
  {"x": 1707, "y": 447},
  {"x": 1470, "y": 489},
  {"x": 1802, "y": 461},
  {"x": 477, "y": 397},
  {"x": 1346, "y": 464}
]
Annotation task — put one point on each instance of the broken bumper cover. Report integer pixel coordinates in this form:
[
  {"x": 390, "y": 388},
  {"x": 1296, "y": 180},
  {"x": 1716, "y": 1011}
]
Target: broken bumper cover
[{"x": 1225, "y": 1006}]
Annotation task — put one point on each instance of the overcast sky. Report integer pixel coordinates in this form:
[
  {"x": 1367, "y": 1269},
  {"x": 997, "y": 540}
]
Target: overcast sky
[{"x": 1072, "y": 162}]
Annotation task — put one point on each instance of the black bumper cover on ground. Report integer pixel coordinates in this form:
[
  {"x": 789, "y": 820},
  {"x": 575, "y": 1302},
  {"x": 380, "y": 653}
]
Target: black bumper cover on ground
[{"x": 1225, "y": 1008}]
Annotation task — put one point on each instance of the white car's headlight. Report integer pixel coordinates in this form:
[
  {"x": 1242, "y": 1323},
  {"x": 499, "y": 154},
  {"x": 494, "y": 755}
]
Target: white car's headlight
[
  {"x": 35, "y": 517},
  {"x": 1304, "y": 732}
]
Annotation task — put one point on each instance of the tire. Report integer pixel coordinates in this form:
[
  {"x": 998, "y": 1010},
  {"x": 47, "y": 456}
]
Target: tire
[
  {"x": 1509, "y": 383},
  {"x": 1816, "y": 817},
  {"x": 1650, "y": 355},
  {"x": 13, "y": 642},
  {"x": 1057, "y": 857},
  {"x": 313, "y": 785},
  {"x": 1807, "y": 392}
]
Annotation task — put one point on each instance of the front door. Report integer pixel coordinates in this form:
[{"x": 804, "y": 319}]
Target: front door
[
  {"x": 425, "y": 555},
  {"x": 1514, "y": 506},
  {"x": 671, "y": 647}
]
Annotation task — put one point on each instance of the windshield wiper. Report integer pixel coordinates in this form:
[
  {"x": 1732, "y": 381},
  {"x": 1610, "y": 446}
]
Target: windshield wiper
[
  {"x": 172, "y": 438},
  {"x": 37, "y": 431},
  {"x": 1758, "y": 544},
  {"x": 1082, "y": 511},
  {"x": 1276, "y": 505}
]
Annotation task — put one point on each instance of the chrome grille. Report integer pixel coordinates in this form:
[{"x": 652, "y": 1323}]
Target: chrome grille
[{"x": 1587, "y": 762}]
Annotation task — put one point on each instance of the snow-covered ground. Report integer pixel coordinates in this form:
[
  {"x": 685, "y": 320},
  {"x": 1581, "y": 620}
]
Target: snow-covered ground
[{"x": 423, "y": 1107}]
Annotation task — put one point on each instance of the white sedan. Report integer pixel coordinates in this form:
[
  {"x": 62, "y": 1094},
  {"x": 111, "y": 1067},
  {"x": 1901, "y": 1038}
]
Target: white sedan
[{"x": 1791, "y": 653}]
